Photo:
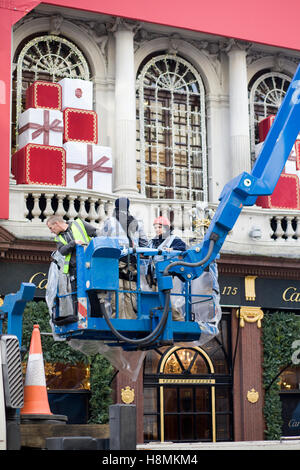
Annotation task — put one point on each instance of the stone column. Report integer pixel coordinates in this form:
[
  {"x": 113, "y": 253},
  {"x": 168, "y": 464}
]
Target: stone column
[
  {"x": 130, "y": 392},
  {"x": 239, "y": 109},
  {"x": 125, "y": 110},
  {"x": 248, "y": 392}
]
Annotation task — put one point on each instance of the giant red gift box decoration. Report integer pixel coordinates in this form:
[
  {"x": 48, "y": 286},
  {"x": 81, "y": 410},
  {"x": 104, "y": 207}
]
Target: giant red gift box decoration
[
  {"x": 88, "y": 166},
  {"x": 41, "y": 126},
  {"x": 80, "y": 125},
  {"x": 284, "y": 196},
  {"x": 40, "y": 164},
  {"x": 45, "y": 95},
  {"x": 264, "y": 127},
  {"x": 76, "y": 93},
  {"x": 297, "y": 152},
  {"x": 60, "y": 147}
]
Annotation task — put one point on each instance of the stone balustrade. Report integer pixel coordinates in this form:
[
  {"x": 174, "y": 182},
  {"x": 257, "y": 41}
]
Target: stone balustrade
[{"x": 258, "y": 231}]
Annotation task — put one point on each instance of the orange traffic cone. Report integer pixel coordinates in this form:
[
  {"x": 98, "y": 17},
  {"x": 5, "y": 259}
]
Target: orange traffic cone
[{"x": 35, "y": 392}]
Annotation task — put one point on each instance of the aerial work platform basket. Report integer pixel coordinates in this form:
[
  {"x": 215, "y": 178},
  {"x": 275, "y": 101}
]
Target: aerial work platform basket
[{"x": 182, "y": 312}]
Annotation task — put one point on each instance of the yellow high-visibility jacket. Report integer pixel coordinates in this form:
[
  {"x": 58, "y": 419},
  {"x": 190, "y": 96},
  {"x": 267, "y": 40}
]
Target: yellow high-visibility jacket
[{"x": 79, "y": 233}]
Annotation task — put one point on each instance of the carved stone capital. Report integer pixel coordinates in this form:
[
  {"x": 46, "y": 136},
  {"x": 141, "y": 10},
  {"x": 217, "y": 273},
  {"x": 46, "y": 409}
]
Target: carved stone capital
[
  {"x": 55, "y": 22},
  {"x": 120, "y": 24},
  {"x": 233, "y": 44}
]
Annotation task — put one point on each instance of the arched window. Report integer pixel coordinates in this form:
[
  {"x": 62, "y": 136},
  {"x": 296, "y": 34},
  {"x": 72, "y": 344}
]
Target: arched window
[
  {"x": 46, "y": 57},
  {"x": 267, "y": 91},
  {"x": 171, "y": 140}
]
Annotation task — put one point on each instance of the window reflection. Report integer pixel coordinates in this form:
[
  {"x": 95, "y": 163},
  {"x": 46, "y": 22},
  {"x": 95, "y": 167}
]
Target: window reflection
[
  {"x": 67, "y": 376},
  {"x": 186, "y": 361},
  {"x": 290, "y": 379}
]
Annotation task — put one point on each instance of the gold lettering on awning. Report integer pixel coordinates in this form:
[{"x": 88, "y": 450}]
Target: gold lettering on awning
[{"x": 187, "y": 381}]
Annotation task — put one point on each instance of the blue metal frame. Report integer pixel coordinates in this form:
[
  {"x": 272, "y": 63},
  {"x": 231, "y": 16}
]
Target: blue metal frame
[
  {"x": 13, "y": 307},
  {"x": 98, "y": 271}
]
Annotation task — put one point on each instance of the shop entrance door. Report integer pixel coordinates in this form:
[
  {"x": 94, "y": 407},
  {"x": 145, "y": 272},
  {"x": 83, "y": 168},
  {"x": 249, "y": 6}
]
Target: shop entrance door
[
  {"x": 187, "y": 410},
  {"x": 187, "y": 402},
  {"x": 188, "y": 392}
]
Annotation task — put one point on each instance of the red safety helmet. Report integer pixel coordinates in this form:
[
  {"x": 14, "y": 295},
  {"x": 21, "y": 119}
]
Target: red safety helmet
[{"x": 162, "y": 221}]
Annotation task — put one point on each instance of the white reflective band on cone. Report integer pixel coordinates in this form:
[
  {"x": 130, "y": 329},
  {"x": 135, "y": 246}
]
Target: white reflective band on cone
[{"x": 35, "y": 373}]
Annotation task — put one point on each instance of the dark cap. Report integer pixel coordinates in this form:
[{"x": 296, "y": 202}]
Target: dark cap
[{"x": 122, "y": 203}]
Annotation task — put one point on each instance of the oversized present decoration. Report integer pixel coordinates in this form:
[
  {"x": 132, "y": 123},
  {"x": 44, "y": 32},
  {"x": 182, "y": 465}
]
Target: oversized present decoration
[
  {"x": 41, "y": 126},
  {"x": 40, "y": 164},
  {"x": 264, "y": 126},
  {"x": 297, "y": 152},
  {"x": 45, "y": 95},
  {"x": 286, "y": 194},
  {"x": 88, "y": 167},
  {"x": 76, "y": 93},
  {"x": 80, "y": 125},
  {"x": 292, "y": 163}
]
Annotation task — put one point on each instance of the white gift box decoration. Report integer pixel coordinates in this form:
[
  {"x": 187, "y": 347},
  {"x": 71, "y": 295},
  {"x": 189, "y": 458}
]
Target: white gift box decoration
[
  {"x": 76, "y": 93},
  {"x": 40, "y": 126},
  {"x": 88, "y": 166}
]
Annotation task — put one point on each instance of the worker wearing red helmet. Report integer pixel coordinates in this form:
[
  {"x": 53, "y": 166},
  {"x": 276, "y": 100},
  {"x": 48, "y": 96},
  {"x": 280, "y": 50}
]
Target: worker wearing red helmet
[
  {"x": 167, "y": 241},
  {"x": 164, "y": 239}
]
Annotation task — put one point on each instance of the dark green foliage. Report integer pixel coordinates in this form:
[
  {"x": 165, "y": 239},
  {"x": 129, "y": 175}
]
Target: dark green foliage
[
  {"x": 280, "y": 330},
  {"x": 101, "y": 375},
  {"x": 53, "y": 351}
]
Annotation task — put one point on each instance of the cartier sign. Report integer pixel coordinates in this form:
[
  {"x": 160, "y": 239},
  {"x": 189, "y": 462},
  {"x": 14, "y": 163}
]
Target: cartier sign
[
  {"x": 13, "y": 274},
  {"x": 291, "y": 294},
  {"x": 39, "y": 279},
  {"x": 255, "y": 291},
  {"x": 234, "y": 291}
]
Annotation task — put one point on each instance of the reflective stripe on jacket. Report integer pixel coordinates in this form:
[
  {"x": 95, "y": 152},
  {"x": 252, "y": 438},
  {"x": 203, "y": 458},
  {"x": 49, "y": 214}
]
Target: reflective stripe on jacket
[{"x": 79, "y": 234}]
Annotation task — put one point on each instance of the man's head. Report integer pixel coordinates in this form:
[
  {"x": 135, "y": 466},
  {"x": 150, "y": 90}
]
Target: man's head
[{"x": 56, "y": 224}]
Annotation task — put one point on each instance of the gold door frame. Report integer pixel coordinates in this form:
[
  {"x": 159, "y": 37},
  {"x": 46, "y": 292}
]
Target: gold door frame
[{"x": 162, "y": 382}]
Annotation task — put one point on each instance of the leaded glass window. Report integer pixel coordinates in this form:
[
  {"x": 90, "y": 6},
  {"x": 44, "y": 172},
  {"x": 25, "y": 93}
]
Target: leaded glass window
[
  {"x": 49, "y": 58},
  {"x": 171, "y": 136}
]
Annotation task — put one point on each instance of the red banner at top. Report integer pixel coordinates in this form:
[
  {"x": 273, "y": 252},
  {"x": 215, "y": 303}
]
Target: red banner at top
[{"x": 269, "y": 22}]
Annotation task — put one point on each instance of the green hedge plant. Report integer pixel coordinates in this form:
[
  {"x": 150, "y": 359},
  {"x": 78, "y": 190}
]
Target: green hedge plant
[{"x": 279, "y": 331}]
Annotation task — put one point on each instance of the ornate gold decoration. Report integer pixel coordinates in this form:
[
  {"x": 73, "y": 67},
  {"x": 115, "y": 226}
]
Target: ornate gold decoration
[
  {"x": 187, "y": 381},
  {"x": 250, "y": 293},
  {"x": 201, "y": 223},
  {"x": 127, "y": 395},
  {"x": 252, "y": 396},
  {"x": 250, "y": 315}
]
